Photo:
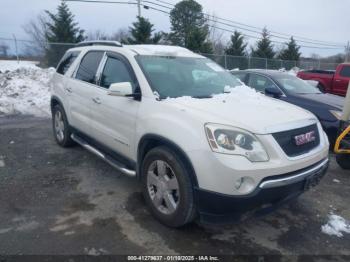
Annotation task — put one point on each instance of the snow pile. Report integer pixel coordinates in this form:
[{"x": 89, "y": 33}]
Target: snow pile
[
  {"x": 294, "y": 71},
  {"x": 237, "y": 92},
  {"x": 25, "y": 90},
  {"x": 10, "y": 65},
  {"x": 336, "y": 226}
]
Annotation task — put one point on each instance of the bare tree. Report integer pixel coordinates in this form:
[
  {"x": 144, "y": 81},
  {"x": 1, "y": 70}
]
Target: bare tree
[
  {"x": 36, "y": 30},
  {"x": 121, "y": 35},
  {"x": 98, "y": 35},
  {"x": 4, "y": 49},
  {"x": 216, "y": 37}
]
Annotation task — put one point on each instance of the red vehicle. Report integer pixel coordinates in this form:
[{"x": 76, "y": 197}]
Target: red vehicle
[{"x": 334, "y": 82}]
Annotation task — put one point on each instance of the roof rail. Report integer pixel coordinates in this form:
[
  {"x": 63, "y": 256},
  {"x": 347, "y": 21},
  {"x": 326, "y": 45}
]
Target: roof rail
[{"x": 99, "y": 42}]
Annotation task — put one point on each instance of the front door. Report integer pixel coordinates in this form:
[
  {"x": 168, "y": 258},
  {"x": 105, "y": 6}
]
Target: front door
[
  {"x": 341, "y": 81},
  {"x": 113, "y": 118}
]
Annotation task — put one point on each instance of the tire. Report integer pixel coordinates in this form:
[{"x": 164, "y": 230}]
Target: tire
[
  {"x": 172, "y": 207},
  {"x": 343, "y": 161},
  {"x": 60, "y": 127},
  {"x": 321, "y": 88}
]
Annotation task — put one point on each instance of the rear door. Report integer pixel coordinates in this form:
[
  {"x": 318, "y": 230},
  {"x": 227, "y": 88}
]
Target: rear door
[
  {"x": 341, "y": 80},
  {"x": 81, "y": 88},
  {"x": 113, "y": 118}
]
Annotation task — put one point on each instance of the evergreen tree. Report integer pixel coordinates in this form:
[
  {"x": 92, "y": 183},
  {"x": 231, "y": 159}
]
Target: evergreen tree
[
  {"x": 141, "y": 32},
  {"x": 264, "y": 47},
  {"x": 237, "y": 46},
  {"x": 189, "y": 27},
  {"x": 291, "y": 52},
  {"x": 61, "y": 28}
]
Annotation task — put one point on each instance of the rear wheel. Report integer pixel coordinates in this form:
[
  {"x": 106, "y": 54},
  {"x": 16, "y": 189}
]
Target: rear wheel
[
  {"x": 60, "y": 127},
  {"x": 343, "y": 161},
  {"x": 167, "y": 187}
]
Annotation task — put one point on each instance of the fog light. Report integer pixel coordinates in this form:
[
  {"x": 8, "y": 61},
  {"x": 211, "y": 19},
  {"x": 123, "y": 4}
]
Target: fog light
[{"x": 245, "y": 185}]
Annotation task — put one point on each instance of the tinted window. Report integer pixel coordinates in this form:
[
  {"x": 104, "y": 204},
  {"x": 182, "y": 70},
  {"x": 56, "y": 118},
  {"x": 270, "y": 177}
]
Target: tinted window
[
  {"x": 67, "y": 61},
  {"x": 115, "y": 71},
  {"x": 260, "y": 83},
  {"x": 88, "y": 66},
  {"x": 240, "y": 76},
  {"x": 345, "y": 71}
]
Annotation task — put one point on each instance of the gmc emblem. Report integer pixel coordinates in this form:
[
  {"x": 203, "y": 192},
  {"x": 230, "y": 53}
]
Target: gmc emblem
[{"x": 305, "y": 138}]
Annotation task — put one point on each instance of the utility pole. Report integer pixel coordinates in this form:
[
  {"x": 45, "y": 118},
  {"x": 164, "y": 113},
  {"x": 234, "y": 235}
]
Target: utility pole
[
  {"x": 139, "y": 7},
  {"x": 14, "y": 37},
  {"x": 347, "y": 54}
]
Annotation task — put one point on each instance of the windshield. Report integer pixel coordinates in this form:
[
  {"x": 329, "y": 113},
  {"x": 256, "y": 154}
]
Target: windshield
[
  {"x": 295, "y": 85},
  {"x": 185, "y": 76}
]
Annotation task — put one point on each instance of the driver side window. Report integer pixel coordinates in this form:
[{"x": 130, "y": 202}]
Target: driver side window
[
  {"x": 260, "y": 83},
  {"x": 115, "y": 71}
]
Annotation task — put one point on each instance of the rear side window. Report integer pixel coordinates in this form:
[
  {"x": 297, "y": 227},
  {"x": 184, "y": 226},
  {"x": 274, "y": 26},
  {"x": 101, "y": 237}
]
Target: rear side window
[
  {"x": 67, "y": 61},
  {"x": 345, "y": 71},
  {"x": 241, "y": 76},
  {"x": 115, "y": 71},
  {"x": 88, "y": 67}
]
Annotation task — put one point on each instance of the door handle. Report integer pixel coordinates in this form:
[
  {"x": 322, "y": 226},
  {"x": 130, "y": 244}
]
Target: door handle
[
  {"x": 69, "y": 90},
  {"x": 96, "y": 100},
  {"x": 337, "y": 80}
]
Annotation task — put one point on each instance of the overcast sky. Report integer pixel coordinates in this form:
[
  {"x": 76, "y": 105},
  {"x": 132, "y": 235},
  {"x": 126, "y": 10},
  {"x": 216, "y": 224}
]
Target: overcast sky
[{"x": 326, "y": 20}]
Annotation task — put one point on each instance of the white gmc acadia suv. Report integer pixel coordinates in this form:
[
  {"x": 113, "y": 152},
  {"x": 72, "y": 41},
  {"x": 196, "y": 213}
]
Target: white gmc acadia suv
[{"x": 202, "y": 145}]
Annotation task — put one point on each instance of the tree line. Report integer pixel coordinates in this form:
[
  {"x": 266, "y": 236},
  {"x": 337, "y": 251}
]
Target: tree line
[{"x": 190, "y": 28}]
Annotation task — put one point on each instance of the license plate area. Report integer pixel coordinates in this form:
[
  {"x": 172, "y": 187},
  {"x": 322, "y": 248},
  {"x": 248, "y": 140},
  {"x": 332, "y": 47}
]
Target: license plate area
[{"x": 313, "y": 180}]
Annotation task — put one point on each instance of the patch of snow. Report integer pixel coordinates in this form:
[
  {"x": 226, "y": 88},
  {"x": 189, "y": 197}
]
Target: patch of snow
[
  {"x": 25, "y": 90},
  {"x": 95, "y": 252},
  {"x": 336, "y": 226},
  {"x": 312, "y": 82},
  {"x": 336, "y": 181},
  {"x": 294, "y": 71},
  {"x": 68, "y": 233},
  {"x": 11, "y": 65},
  {"x": 2, "y": 163},
  {"x": 238, "y": 92}
]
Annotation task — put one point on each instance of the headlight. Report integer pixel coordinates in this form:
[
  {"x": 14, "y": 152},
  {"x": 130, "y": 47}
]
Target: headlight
[
  {"x": 234, "y": 141},
  {"x": 337, "y": 114}
]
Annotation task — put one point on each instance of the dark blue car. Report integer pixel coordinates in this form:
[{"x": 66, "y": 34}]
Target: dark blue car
[{"x": 291, "y": 89}]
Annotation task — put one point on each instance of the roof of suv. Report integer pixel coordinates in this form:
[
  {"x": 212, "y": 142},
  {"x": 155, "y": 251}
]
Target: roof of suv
[{"x": 155, "y": 50}]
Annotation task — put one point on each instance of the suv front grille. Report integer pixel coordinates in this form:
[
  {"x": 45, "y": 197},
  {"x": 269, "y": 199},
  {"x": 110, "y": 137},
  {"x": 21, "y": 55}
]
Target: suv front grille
[{"x": 286, "y": 140}]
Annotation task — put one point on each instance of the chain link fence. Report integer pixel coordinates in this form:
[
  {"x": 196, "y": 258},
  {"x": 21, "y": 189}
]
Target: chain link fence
[
  {"x": 246, "y": 62},
  {"x": 25, "y": 49}
]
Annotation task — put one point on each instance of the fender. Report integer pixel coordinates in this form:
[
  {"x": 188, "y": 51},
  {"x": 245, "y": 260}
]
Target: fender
[{"x": 155, "y": 140}]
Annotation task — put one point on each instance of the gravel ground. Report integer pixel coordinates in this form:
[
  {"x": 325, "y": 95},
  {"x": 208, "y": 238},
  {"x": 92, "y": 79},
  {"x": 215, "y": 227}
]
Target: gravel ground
[{"x": 66, "y": 201}]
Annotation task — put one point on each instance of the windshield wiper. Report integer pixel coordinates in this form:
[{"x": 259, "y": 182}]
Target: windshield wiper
[{"x": 203, "y": 96}]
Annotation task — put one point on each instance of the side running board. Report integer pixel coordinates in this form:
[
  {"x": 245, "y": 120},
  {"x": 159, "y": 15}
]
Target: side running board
[{"x": 116, "y": 164}]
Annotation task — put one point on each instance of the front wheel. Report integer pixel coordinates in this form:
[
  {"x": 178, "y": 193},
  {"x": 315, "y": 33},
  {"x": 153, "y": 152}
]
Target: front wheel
[
  {"x": 343, "y": 161},
  {"x": 167, "y": 187}
]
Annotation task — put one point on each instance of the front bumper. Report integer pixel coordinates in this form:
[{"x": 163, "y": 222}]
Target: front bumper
[{"x": 270, "y": 194}]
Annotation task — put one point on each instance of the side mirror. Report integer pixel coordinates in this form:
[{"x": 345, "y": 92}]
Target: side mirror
[
  {"x": 120, "y": 89},
  {"x": 273, "y": 91}
]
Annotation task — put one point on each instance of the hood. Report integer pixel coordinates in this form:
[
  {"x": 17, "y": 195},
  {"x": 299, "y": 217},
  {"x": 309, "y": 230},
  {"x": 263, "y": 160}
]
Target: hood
[
  {"x": 247, "y": 109},
  {"x": 332, "y": 101}
]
